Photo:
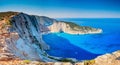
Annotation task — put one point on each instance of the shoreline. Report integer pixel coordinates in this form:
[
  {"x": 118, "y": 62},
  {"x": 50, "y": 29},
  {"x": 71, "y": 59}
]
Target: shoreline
[{"x": 99, "y": 32}]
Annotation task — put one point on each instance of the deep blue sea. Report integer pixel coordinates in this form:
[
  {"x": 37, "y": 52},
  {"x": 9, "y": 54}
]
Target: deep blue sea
[{"x": 88, "y": 46}]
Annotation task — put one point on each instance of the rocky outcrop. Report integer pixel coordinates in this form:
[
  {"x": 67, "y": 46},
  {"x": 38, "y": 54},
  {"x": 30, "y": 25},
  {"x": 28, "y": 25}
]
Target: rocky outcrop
[{"x": 108, "y": 59}]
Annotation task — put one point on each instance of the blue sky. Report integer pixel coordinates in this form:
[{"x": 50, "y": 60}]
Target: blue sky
[{"x": 65, "y": 8}]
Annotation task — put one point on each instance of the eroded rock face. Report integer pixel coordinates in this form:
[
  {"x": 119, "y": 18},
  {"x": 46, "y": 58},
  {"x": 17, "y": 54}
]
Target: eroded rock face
[
  {"x": 23, "y": 38},
  {"x": 108, "y": 59},
  {"x": 29, "y": 44}
]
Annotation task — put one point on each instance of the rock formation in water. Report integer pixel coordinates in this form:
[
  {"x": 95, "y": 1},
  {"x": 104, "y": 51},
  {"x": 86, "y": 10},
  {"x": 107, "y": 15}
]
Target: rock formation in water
[{"x": 21, "y": 35}]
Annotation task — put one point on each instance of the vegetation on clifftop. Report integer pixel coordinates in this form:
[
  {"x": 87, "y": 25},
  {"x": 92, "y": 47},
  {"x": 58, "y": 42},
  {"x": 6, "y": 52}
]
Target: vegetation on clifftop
[
  {"x": 76, "y": 27},
  {"x": 7, "y": 15}
]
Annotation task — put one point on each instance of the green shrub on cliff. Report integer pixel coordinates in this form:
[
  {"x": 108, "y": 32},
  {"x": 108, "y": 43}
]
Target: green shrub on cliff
[
  {"x": 26, "y": 61},
  {"x": 1, "y": 18},
  {"x": 67, "y": 60},
  {"x": 89, "y": 62},
  {"x": 7, "y": 15}
]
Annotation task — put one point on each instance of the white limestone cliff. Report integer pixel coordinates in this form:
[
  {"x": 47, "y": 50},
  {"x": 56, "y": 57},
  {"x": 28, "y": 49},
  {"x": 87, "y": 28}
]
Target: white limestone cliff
[{"x": 72, "y": 28}]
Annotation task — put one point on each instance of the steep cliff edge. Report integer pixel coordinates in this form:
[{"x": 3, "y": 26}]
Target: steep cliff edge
[
  {"x": 21, "y": 35},
  {"x": 22, "y": 38}
]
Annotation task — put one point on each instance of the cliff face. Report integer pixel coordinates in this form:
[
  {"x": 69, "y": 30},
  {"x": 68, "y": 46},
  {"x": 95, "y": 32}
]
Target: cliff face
[
  {"x": 29, "y": 44},
  {"x": 22, "y": 35},
  {"x": 23, "y": 38}
]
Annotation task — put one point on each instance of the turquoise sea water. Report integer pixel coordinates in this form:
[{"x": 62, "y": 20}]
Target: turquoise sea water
[{"x": 88, "y": 46}]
